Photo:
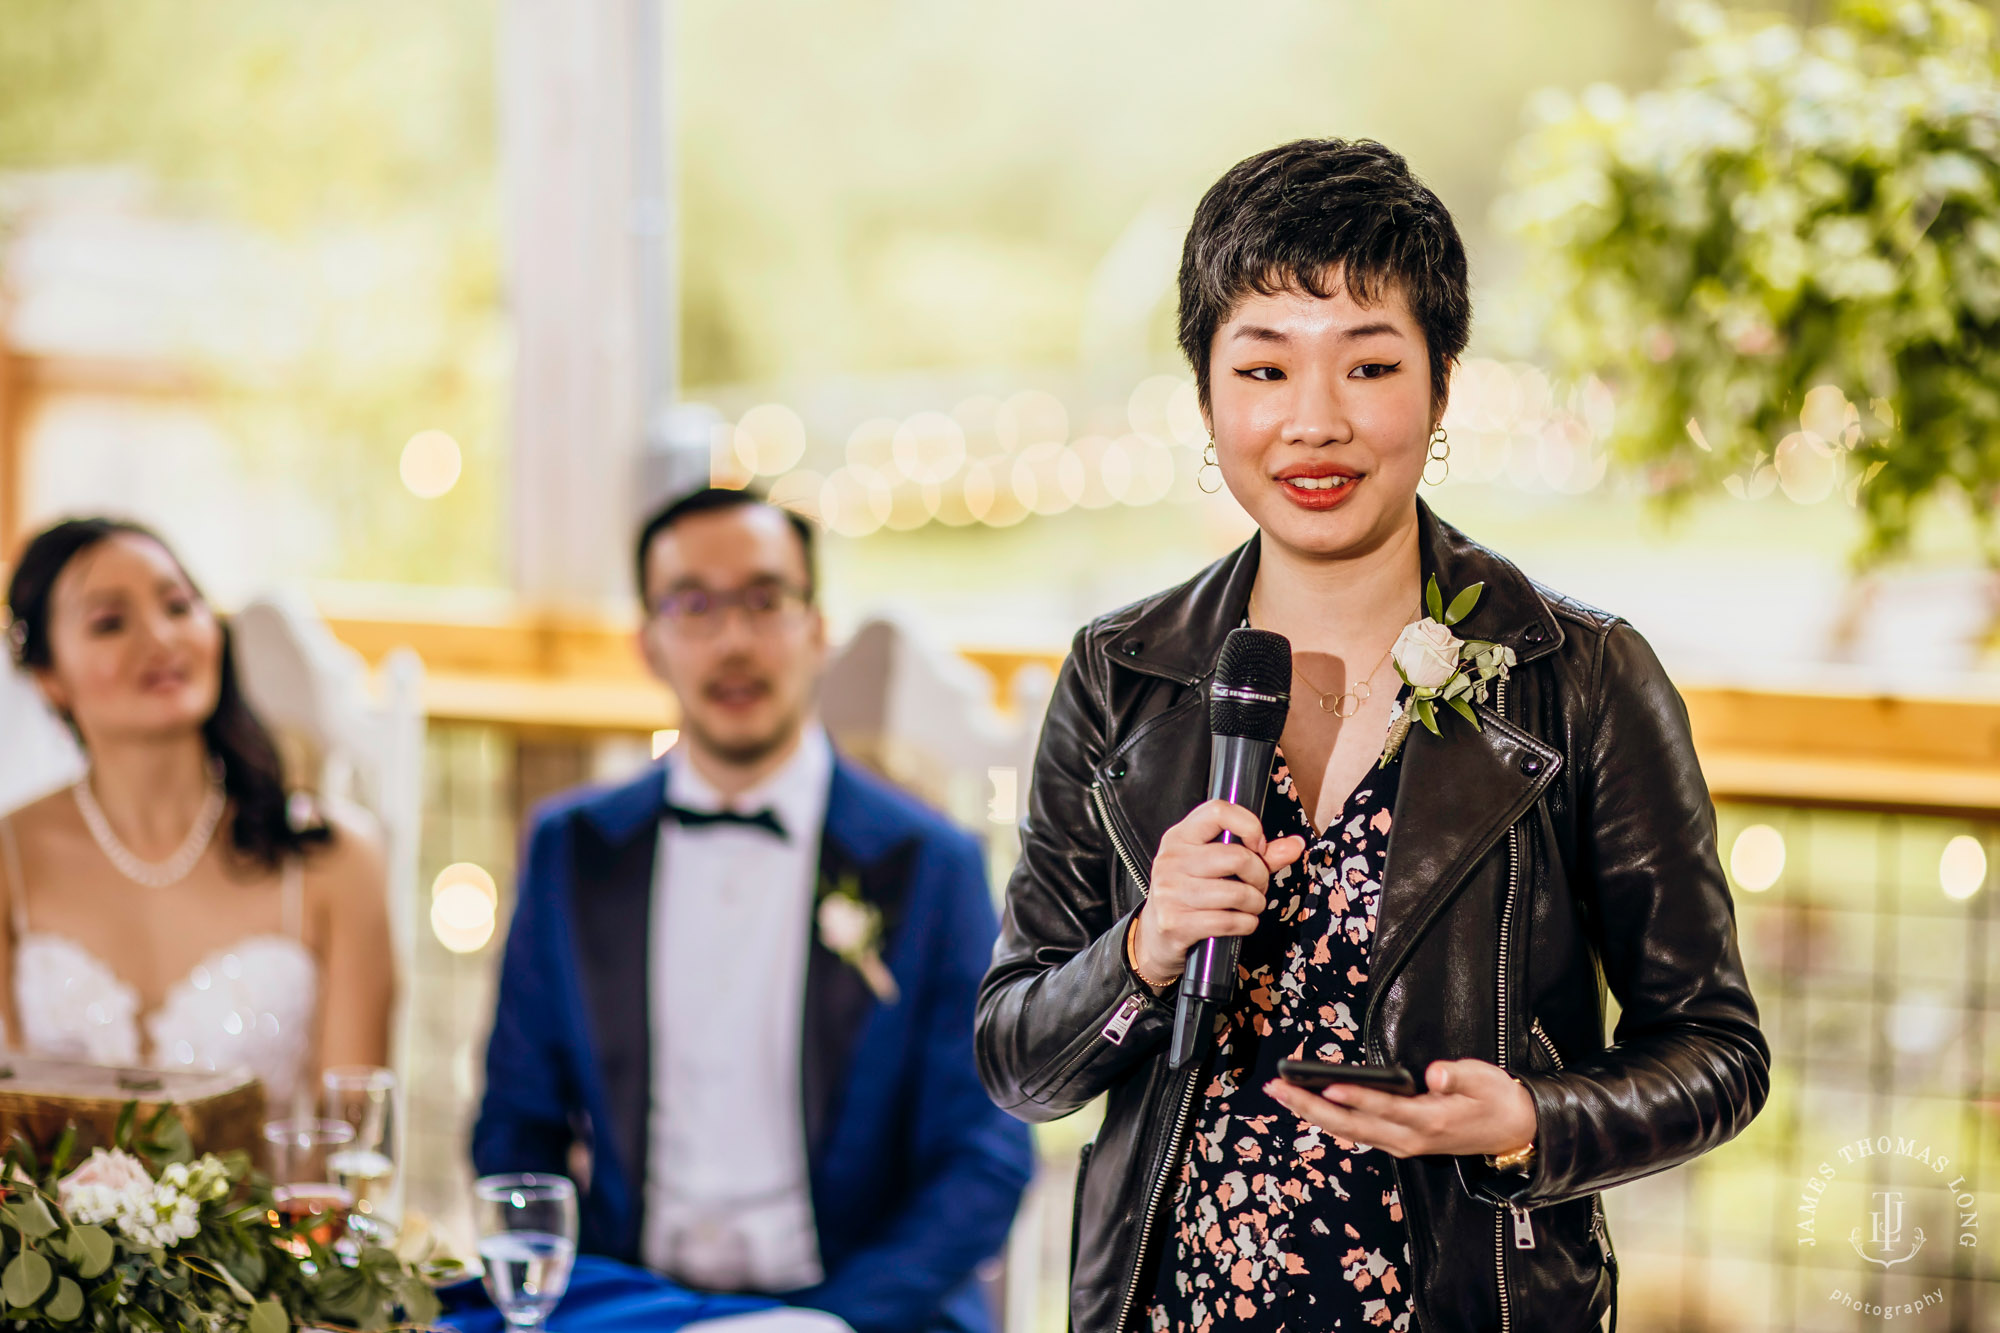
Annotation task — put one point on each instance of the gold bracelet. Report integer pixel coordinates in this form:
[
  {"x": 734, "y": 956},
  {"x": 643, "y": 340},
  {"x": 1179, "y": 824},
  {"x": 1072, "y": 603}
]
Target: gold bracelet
[
  {"x": 1132, "y": 961},
  {"x": 1517, "y": 1160}
]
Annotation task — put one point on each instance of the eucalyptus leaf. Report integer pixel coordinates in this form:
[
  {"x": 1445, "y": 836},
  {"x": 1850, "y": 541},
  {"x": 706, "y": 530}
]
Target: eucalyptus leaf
[
  {"x": 67, "y": 1303},
  {"x": 1461, "y": 605},
  {"x": 1434, "y": 600},
  {"x": 32, "y": 1216},
  {"x": 269, "y": 1317},
  {"x": 92, "y": 1250},
  {"x": 25, "y": 1279}
]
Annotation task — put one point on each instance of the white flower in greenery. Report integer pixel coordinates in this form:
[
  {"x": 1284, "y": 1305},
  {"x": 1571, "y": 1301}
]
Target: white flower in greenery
[
  {"x": 1426, "y": 653},
  {"x": 163, "y": 1219}
]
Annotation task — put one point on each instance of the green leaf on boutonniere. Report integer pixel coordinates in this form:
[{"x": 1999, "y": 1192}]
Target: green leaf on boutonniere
[
  {"x": 1427, "y": 714},
  {"x": 1434, "y": 600},
  {"x": 1461, "y": 605},
  {"x": 1465, "y": 711}
]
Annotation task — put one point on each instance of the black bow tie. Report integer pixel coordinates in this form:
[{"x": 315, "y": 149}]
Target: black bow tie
[{"x": 766, "y": 819}]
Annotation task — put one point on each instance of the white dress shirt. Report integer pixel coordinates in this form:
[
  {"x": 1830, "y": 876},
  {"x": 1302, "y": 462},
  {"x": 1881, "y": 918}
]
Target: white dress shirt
[{"x": 728, "y": 1199}]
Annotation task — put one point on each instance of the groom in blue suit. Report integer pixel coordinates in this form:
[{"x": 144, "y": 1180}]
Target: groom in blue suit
[{"x": 737, "y": 997}]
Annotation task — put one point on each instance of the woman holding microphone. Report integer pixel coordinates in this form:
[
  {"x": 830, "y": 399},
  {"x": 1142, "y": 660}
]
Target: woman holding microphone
[{"x": 1485, "y": 797}]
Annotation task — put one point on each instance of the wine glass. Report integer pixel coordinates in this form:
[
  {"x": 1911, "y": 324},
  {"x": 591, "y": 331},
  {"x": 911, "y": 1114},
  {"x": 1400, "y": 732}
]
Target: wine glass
[
  {"x": 304, "y": 1191},
  {"x": 364, "y": 1097},
  {"x": 527, "y": 1242}
]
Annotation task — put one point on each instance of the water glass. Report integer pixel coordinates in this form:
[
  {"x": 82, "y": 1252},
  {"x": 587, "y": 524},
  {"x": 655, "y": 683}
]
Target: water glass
[
  {"x": 364, "y": 1097},
  {"x": 305, "y": 1192},
  {"x": 527, "y": 1242}
]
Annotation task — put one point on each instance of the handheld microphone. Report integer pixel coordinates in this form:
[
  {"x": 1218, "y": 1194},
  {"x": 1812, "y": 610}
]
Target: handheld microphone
[{"x": 1247, "y": 704}]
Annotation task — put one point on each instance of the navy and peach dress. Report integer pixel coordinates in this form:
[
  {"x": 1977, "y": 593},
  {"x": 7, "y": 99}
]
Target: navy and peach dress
[{"x": 1278, "y": 1225}]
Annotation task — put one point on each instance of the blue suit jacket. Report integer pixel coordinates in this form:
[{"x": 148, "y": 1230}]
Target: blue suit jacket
[{"x": 915, "y": 1174}]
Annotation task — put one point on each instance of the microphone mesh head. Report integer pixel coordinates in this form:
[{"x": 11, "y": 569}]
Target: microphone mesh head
[{"x": 1252, "y": 691}]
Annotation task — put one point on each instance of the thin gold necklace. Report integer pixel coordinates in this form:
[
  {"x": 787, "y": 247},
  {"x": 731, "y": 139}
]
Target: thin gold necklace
[{"x": 1347, "y": 703}]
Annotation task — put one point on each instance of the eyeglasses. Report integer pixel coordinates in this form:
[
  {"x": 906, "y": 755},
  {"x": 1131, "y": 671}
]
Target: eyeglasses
[{"x": 698, "y": 613}]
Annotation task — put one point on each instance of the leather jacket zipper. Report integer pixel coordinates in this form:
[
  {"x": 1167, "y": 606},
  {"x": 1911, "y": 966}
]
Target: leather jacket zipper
[
  {"x": 1168, "y": 1165},
  {"x": 1599, "y": 1227},
  {"x": 1188, "y": 1081},
  {"x": 1524, "y": 1229}
]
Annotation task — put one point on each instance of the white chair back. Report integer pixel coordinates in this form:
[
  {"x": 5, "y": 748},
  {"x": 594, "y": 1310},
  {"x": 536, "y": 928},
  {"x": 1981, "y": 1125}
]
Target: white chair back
[
  {"x": 37, "y": 752},
  {"x": 925, "y": 718},
  {"x": 359, "y": 750}
]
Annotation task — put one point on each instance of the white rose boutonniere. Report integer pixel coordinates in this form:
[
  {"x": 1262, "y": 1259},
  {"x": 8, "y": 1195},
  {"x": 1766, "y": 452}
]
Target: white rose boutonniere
[
  {"x": 851, "y": 928},
  {"x": 1426, "y": 654},
  {"x": 1437, "y": 665}
]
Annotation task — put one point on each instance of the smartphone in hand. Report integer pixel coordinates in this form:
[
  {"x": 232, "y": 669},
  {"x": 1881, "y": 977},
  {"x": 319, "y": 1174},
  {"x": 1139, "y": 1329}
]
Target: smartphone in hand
[{"x": 1315, "y": 1075}]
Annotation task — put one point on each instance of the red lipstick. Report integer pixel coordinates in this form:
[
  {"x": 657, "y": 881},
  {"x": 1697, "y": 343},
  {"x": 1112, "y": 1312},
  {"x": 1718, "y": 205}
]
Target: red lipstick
[{"x": 1317, "y": 486}]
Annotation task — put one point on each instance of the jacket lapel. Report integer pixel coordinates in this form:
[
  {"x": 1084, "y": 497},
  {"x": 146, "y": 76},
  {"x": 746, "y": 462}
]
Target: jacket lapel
[
  {"x": 1461, "y": 792},
  {"x": 837, "y": 999},
  {"x": 612, "y": 910},
  {"x": 1494, "y": 776}
]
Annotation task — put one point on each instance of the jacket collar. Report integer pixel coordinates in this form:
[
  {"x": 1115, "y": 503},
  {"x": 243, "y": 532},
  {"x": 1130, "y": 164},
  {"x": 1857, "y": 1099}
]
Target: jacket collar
[
  {"x": 1178, "y": 635},
  {"x": 858, "y": 818}
]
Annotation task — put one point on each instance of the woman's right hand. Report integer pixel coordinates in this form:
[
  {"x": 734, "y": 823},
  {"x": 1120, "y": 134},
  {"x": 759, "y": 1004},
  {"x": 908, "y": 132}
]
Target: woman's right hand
[{"x": 1201, "y": 888}]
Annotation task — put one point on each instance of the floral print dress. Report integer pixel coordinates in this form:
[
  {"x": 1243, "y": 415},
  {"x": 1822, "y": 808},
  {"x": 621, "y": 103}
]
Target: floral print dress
[{"x": 1278, "y": 1225}]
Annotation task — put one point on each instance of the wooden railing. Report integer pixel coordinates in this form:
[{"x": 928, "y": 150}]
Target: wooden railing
[{"x": 1939, "y": 755}]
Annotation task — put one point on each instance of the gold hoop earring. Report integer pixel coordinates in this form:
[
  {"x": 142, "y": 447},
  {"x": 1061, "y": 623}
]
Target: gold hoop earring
[
  {"x": 1208, "y": 465},
  {"x": 1440, "y": 453}
]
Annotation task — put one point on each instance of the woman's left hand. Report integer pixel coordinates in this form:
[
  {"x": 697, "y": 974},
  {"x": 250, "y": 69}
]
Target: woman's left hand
[{"x": 1469, "y": 1106}]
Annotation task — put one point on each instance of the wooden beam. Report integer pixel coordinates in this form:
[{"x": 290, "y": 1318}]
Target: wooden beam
[{"x": 1938, "y": 755}]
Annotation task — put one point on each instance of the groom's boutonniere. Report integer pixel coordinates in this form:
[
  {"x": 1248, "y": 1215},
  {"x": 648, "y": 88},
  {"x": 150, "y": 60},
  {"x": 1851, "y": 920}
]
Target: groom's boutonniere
[
  {"x": 1438, "y": 665},
  {"x": 851, "y": 928}
]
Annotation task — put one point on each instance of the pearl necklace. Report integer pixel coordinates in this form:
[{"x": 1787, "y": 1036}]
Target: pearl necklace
[{"x": 152, "y": 874}]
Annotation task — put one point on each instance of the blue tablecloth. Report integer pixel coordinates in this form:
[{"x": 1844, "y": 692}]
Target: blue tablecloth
[{"x": 604, "y": 1297}]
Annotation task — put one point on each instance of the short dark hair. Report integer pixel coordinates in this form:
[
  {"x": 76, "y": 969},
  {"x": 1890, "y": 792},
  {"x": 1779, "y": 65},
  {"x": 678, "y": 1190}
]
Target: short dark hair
[
  {"x": 1290, "y": 216},
  {"x": 714, "y": 499}
]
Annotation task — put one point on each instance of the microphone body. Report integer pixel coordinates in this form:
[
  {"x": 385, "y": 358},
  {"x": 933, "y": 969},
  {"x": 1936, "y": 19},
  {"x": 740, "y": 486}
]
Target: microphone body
[{"x": 1247, "y": 707}]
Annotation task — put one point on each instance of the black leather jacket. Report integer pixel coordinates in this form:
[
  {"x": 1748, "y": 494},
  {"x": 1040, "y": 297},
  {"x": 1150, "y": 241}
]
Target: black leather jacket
[{"x": 1566, "y": 845}]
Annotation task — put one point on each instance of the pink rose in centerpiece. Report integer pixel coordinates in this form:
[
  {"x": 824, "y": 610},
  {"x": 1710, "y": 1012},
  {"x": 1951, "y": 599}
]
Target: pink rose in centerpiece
[{"x": 113, "y": 1170}]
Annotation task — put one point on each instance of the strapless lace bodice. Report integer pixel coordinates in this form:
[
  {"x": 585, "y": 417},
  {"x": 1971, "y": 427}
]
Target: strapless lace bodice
[
  {"x": 250, "y": 1005},
  {"x": 247, "y": 1005}
]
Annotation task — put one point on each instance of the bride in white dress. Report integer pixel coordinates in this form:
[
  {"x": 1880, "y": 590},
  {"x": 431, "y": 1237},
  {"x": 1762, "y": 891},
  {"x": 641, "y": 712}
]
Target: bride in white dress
[{"x": 169, "y": 908}]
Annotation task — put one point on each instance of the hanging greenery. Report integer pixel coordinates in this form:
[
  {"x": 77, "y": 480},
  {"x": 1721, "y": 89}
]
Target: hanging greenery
[{"x": 1786, "y": 261}]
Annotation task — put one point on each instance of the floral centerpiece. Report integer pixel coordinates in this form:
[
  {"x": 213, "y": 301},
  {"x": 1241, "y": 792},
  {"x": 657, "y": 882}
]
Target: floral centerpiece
[
  {"x": 146, "y": 1236},
  {"x": 1786, "y": 260}
]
